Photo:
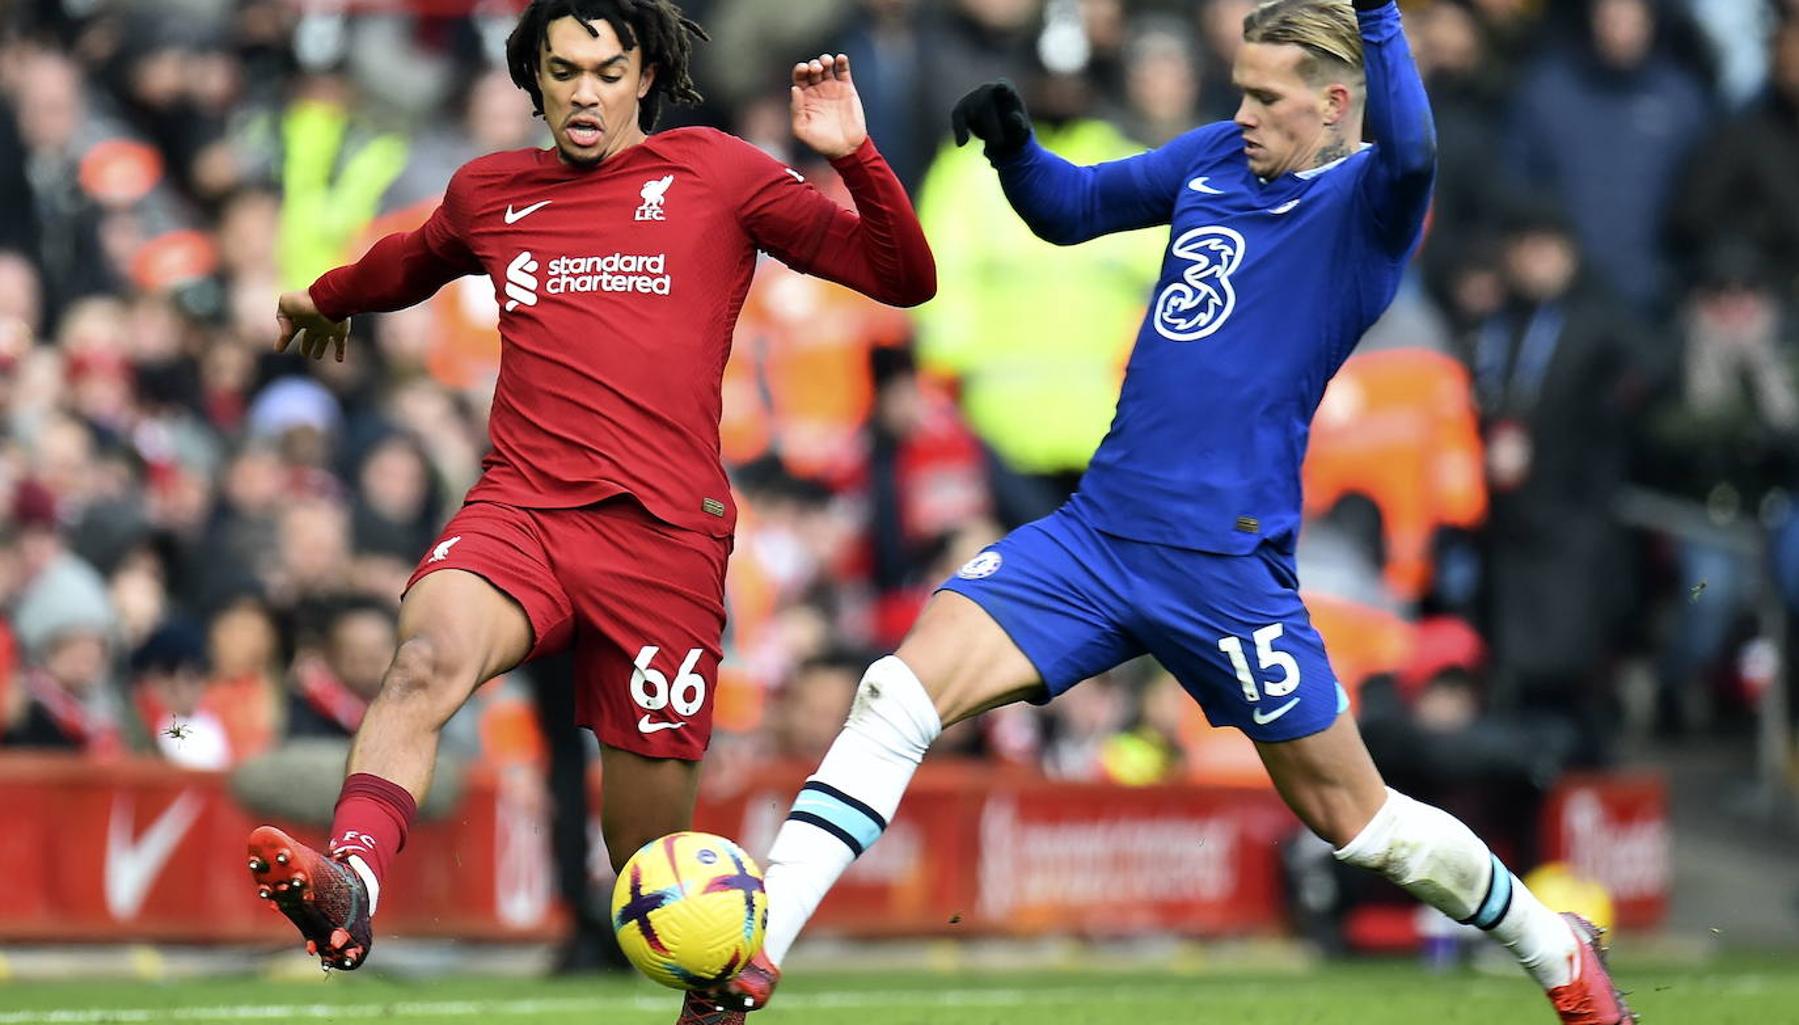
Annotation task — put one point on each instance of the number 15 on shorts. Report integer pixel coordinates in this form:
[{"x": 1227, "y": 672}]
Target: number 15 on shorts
[
  {"x": 653, "y": 691},
  {"x": 1267, "y": 658}
]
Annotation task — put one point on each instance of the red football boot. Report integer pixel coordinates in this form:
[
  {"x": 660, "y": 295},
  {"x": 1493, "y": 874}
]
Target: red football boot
[
  {"x": 1592, "y": 998},
  {"x": 324, "y": 897},
  {"x": 750, "y": 989},
  {"x": 699, "y": 1010}
]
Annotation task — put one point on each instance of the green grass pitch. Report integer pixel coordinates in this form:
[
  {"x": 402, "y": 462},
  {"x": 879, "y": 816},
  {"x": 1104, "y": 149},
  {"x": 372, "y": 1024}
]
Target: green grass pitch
[{"x": 1730, "y": 991}]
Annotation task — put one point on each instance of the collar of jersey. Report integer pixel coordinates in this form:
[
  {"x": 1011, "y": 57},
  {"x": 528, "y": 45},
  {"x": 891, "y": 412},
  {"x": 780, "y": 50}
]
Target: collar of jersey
[
  {"x": 1312, "y": 172},
  {"x": 548, "y": 158}
]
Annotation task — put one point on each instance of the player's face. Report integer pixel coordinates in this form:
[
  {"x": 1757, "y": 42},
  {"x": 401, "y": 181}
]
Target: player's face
[
  {"x": 1283, "y": 117},
  {"x": 591, "y": 86}
]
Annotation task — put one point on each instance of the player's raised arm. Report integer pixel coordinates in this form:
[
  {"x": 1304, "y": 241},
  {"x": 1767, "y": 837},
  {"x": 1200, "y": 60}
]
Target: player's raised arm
[
  {"x": 1398, "y": 117},
  {"x": 879, "y": 249},
  {"x": 1062, "y": 202},
  {"x": 401, "y": 270}
]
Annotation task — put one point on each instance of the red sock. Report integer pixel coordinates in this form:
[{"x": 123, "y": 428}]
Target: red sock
[{"x": 372, "y": 817}]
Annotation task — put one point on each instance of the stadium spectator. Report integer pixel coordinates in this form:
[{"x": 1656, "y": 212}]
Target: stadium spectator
[
  {"x": 1467, "y": 94},
  {"x": 245, "y": 651},
  {"x": 1220, "y": 34},
  {"x": 810, "y": 706},
  {"x": 169, "y": 690},
  {"x": 1161, "y": 80},
  {"x": 928, "y": 476},
  {"x": 886, "y": 42},
  {"x": 1612, "y": 99},
  {"x": 1725, "y": 438},
  {"x": 335, "y": 169},
  {"x": 65, "y": 625},
  {"x": 1010, "y": 340},
  {"x": 1558, "y": 374},
  {"x": 1740, "y": 182},
  {"x": 54, "y": 212}
]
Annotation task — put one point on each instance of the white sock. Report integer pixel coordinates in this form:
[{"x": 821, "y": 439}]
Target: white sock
[
  {"x": 846, "y": 805},
  {"x": 1437, "y": 859},
  {"x": 368, "y": 879}
]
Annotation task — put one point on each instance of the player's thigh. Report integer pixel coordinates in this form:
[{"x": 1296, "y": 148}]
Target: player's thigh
[
  {"x": 650, "y": 619},
  {"x": 1328, "y": 779},
  {"x": 483, "y": 599},
  {"x": 643, "y": 798},
  {"x": 1034, "y": 614},
  {"x": 1233, "y": 630},
  {"x": 967, "y": 663},
  {"x": 475, "y": 632}
]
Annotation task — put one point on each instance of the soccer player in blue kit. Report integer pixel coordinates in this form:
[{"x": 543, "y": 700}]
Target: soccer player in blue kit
[{"x": 1287, "y": 239}]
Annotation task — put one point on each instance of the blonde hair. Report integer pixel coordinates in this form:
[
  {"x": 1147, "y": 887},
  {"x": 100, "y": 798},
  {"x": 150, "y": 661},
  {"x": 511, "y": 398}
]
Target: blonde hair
[{"x": 1325, "y": 29}]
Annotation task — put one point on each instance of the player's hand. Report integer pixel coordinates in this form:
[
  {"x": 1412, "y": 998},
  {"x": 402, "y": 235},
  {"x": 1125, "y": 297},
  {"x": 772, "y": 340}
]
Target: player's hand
[
  {"x": 994, "y": 113},
  {"x": 301, "y": 321},
  {"x": 827, "y": 113}
]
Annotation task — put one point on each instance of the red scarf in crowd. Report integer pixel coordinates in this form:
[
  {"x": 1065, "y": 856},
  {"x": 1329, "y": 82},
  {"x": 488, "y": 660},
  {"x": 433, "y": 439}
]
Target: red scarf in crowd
[
  {"x": 327, "y": 695},
  {"x": 93, "y": 733}
]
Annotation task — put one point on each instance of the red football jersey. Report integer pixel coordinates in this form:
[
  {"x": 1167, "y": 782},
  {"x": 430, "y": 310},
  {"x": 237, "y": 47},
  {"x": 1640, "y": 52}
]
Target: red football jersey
[{"x": 619, "y": 286}]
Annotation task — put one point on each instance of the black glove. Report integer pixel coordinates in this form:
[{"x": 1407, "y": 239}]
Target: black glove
[
  {"x": 995, "y": 113},
  {"x": 1370, "y": 5}
]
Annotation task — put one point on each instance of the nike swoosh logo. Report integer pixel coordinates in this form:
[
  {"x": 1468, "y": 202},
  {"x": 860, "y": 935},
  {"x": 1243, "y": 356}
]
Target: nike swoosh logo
[
  {"x": 133, "y": 865},
  {"x": 1199, "y": 185},
  {"x": 1264, "y": 719},
  {"x": 514, "y": 216},
  {"x": 1284, "y": 207},
  {"x": 644, "y": 725}
]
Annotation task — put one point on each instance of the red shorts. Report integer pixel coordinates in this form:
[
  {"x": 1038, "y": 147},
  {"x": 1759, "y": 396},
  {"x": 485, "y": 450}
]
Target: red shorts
[{"x": 642, "y": 602}]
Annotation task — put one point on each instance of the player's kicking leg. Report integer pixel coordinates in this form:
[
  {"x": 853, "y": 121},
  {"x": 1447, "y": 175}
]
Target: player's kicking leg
[
  {"x": 456, "y": 631},
  {"x": 955, "y": 663},
  {"x": 1331, "y": 783}
]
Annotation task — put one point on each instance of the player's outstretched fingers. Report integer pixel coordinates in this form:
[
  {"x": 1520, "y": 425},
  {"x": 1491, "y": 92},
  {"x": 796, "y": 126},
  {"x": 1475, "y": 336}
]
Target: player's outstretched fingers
[
  {"x": 840, "y": 68},
  {"x": 343, "y": 338},
  {"x": 284, "y": 332}
]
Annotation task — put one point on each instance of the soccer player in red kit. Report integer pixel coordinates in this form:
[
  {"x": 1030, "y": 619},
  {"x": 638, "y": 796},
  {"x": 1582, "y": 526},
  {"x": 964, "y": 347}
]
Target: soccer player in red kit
[{"x": 603, "y": 517}]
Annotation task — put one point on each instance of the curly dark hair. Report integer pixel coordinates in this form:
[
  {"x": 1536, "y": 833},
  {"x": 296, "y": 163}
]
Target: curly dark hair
[{"x": 667, "y": 36}]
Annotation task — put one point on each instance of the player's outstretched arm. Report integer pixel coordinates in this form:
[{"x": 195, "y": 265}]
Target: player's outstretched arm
[
  {"x": 879, "y": 249},
  {"x": 1061, "y": 202},
  {"x": 401, "y": 270},
  {"x": 298, "y": 319},
  {"x": 1399, "y": 118}
]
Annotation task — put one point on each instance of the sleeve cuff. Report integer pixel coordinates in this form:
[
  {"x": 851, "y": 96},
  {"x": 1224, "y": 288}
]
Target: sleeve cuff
[
  {"x": 861, "y": 155},
  {"x": 1027, "y": 153},
  {"x": 322, "y": 299}
]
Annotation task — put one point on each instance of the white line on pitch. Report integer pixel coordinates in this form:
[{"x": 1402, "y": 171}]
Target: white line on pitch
[{"x": 528, "y": 1007}]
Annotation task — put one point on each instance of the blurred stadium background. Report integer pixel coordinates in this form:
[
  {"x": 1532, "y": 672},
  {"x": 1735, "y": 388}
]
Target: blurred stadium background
[{"x": 1551, "y": 539}]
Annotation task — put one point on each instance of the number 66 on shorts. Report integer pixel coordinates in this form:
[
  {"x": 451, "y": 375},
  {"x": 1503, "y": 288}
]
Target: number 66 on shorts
[{"x": 654, "y": 692}]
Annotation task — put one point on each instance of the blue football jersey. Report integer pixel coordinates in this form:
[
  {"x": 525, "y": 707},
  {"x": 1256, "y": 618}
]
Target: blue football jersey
[{"x": 1265, "y": 288}]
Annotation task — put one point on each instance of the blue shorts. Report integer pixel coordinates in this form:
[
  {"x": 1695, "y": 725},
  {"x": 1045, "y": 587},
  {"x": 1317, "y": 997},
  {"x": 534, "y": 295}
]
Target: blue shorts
[{"x": 1231, "y": 628}]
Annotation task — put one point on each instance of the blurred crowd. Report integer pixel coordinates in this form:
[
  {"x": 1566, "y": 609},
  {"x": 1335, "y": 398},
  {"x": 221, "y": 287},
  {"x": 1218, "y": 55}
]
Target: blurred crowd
[{"x": 1548, "y": 498}]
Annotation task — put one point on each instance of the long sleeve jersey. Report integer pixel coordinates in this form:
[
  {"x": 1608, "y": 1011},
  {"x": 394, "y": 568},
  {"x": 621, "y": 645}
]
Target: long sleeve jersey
[
  {"x": 1265, "y": 288},
  {"x": 618, "y": 286}
]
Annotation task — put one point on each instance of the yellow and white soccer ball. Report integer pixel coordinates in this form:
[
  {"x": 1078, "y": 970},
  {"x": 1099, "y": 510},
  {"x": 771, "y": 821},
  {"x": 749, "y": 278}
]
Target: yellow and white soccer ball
[{"x": 689, "y": 910}]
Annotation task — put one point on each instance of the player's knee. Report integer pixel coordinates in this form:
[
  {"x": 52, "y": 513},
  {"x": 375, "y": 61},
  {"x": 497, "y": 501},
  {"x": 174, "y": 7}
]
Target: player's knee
[
  {"x": 428, "y": 673},
  {"x": 1336, "y": 814}
]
